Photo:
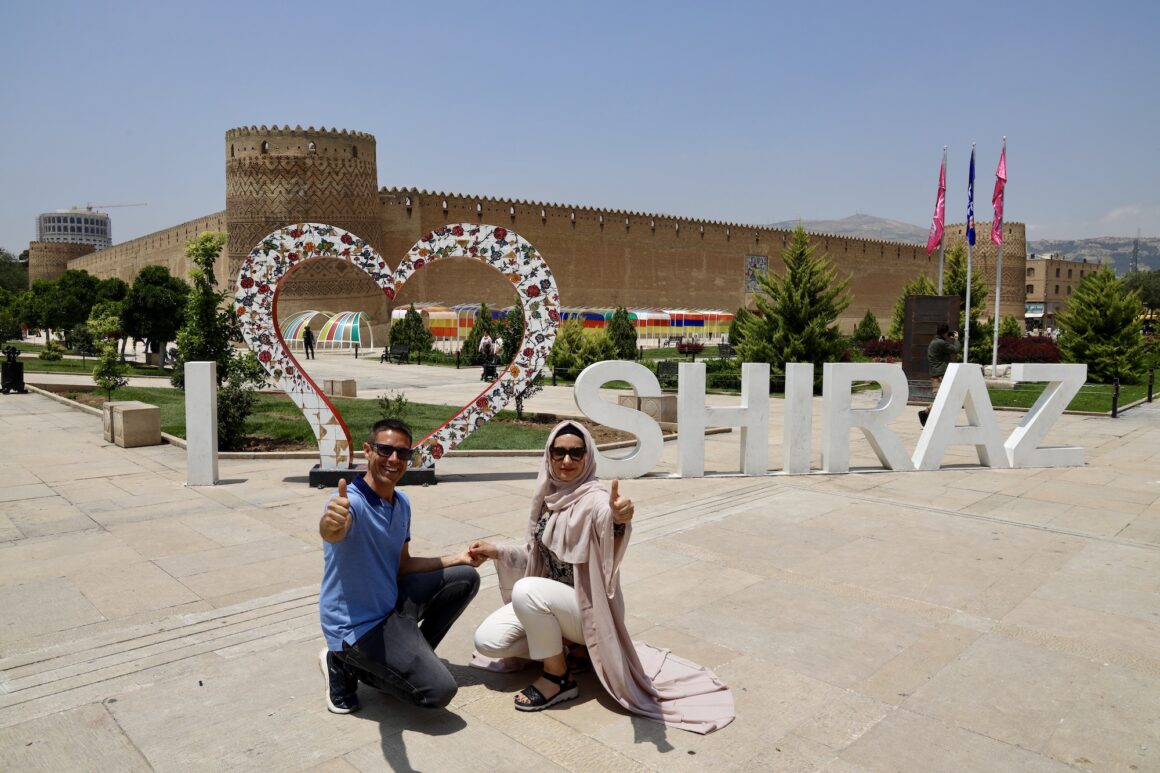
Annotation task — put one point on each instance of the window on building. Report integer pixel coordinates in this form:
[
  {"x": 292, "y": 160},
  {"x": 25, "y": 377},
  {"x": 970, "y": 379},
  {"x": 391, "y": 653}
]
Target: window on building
[
  {"x": 1057, "y": 289},
  {"x": 1030, "y": 289},
  {"x": 1057, "y": 272},
  {"x": 1031, "y": 271},
  {"x": 1069, "y": 290},
  {"x": 1069, "y": 273}
]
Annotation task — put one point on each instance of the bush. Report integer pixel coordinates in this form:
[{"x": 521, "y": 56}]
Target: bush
[
  {"x": 52, "y": 352},
  {"x": 884, "y": 349},
  {"x": 237, "y": 398},
  {"x": 690, "y": 347},
  {"x": 394, "y": 406},
  {"x": 109, "y": 374},
  {"x": 83, "y": 341},
  {"x": 1027, "y": 349},
  {"x": 567, "y": 351},
  {"x": 597, "y": 348}
]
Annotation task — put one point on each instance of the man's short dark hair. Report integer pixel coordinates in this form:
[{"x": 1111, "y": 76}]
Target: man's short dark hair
[
  {"x": 385, "y": 424},
  {"x": 942, "y": 330}
]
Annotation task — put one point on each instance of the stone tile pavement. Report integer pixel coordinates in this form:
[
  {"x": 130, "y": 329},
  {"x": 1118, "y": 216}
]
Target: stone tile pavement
[{"x": 965, "y": 619}]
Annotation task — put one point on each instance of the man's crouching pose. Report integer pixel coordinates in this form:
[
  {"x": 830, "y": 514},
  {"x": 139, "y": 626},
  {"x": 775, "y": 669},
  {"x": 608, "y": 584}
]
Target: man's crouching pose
[{"x": 383, "y": 610}]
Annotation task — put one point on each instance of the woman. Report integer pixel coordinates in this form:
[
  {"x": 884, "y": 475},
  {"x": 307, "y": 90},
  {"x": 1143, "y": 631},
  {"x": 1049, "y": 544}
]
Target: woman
[{"x": 564, "y": 584}]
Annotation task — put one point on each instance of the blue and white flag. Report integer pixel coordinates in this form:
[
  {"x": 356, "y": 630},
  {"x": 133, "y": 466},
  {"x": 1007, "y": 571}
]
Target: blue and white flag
[{"x": 971, "y": 201}]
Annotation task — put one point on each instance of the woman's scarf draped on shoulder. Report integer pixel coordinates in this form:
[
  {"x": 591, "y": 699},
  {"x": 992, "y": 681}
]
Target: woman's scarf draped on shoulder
[{"x": 578, "y": 504}]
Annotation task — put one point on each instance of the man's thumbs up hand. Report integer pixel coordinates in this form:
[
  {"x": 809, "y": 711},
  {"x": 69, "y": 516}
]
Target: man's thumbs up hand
[
  {"x": 336, "y": 519},
  {"x": 622, "y": 508}
]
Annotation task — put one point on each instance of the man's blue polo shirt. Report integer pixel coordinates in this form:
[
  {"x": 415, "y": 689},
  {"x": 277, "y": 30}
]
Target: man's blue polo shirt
[{"x": 360, "y": 573}]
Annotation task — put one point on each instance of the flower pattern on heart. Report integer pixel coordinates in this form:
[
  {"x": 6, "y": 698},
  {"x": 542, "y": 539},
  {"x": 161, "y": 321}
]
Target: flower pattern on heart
[{"x": 503, "y": 250}]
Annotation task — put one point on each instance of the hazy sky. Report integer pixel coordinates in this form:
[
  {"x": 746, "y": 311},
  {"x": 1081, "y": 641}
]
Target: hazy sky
[{"x": 751, "y": 112}]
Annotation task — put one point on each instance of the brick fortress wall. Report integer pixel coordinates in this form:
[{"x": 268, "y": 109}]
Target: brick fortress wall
[
  {"x": 610, "y": 257},
  {"x": 161, "y": 248},
  {"x": 601, "y": 257}
]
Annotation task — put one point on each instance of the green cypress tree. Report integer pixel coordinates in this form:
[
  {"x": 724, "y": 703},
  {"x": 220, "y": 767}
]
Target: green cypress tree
[
  {"x": 419, "y": 338},
  {"x": 799, "y": 311},
  {"x": 513, "y": 333},
  {"x": 920, "y": 285},
  {"x": 483, "y": 324},
  {"x": 737, "y": 326},
  {"x": 867, "y": 329},
  {"x": 956, "y": 284},
  {"x": 1101, "y": 327},
  {"x": 567, "y": 350},
  {"x": 622, "y": 334}
]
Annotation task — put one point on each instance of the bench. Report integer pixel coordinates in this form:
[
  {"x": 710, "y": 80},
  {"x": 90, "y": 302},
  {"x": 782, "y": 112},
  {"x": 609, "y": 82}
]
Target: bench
[
  {"x": 671, "y": 341},
  {"x": 396, "y": 352},
  {"x": 725, "y": 351},
  {"x": 667, "y": 374}
]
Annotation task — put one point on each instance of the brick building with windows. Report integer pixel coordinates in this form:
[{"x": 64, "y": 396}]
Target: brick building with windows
[{"x": 1050, "y": 282}]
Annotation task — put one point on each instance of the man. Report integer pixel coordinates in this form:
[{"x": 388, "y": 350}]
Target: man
[
  {"x": 942, "y": 351},
  {"x": 487, "y": 349},
  {"x": 308, "y": 342},
  {"x": 383, "y": 610}
]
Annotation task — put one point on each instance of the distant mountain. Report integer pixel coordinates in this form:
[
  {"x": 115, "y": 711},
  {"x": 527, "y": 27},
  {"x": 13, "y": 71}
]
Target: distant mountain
[
  {"x": 1113, "y": 250},
  {"x": 866, "y": 226}
]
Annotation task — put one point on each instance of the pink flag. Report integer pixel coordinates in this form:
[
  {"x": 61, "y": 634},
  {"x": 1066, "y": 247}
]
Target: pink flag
[
  {"x": 997, "y": 197},
  {"x": 940, "y": 209}
]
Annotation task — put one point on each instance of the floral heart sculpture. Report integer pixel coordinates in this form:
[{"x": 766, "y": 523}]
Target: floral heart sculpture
[{"x": 268, "y": 264}]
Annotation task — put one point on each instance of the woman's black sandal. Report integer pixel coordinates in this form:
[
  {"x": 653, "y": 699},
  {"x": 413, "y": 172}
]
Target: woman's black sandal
[{"x": 569, "y": 690}]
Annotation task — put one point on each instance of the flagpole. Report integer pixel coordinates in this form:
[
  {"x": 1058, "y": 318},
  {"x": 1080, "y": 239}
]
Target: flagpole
[
  {"x": 942, "y": 242},
  {"x": 999, "y": 273},
  {"x": 970, "y": 225}
]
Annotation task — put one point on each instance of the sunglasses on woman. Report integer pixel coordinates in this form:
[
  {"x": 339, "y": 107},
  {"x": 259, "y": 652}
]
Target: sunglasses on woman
[
  {"x": 559, "y": 453},
  {"x": 385, "y": 451}
]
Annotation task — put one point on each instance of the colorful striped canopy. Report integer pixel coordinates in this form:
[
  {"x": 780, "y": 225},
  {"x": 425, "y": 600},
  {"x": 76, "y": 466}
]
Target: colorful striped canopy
[
  {"x": 344, "y": 329},
  {"x": 294, "y": 325}
]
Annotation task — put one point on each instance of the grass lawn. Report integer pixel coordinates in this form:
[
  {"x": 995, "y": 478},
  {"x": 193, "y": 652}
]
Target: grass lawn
[
  {"x": 85, "y": 366},
  {"x": 1095, "y": 398},
  {"x": 277, "y": 418}
]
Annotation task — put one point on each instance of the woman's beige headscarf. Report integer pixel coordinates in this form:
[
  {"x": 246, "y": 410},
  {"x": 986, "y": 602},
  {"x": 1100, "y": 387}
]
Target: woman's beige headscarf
[{"x": 567, "y": 533}]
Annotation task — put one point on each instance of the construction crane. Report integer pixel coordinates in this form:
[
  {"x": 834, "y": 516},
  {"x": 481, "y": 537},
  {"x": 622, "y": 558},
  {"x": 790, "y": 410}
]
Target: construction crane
[{"x": 110, "y": 206}]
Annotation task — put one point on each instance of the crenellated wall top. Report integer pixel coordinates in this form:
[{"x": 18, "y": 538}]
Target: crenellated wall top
[
  {"x": 624, "y": 213},
  {"x": 296, "y": 131}
]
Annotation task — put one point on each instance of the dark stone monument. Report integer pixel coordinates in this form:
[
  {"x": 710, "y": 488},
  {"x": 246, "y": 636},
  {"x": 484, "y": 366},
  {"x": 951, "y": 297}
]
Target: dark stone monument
[{"x": 924, "y": 313}]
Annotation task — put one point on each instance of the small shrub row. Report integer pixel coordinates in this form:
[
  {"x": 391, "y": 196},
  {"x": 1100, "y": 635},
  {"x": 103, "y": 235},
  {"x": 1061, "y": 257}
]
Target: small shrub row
[{"x": 882, "y": 348}]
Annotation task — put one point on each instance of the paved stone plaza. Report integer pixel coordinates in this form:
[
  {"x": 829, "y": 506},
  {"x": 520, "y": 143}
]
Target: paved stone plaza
[{"x": 965, "y": 619}]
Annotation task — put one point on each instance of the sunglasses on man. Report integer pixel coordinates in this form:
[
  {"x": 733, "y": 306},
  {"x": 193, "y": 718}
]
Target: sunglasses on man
[
  {"x": 559, "y": 453},
  {"x": 385, "y": 451}
]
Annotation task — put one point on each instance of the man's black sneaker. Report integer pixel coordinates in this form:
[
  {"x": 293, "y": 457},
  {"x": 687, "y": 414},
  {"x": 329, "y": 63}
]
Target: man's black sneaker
[
  {"x": 341, "y": 685},
  {"x": 922, "y": 415}
]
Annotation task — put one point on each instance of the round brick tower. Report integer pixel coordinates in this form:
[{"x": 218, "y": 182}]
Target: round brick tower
[
  {"x": 277, "y": 177},
  {"x": 48, "y": 260}
]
